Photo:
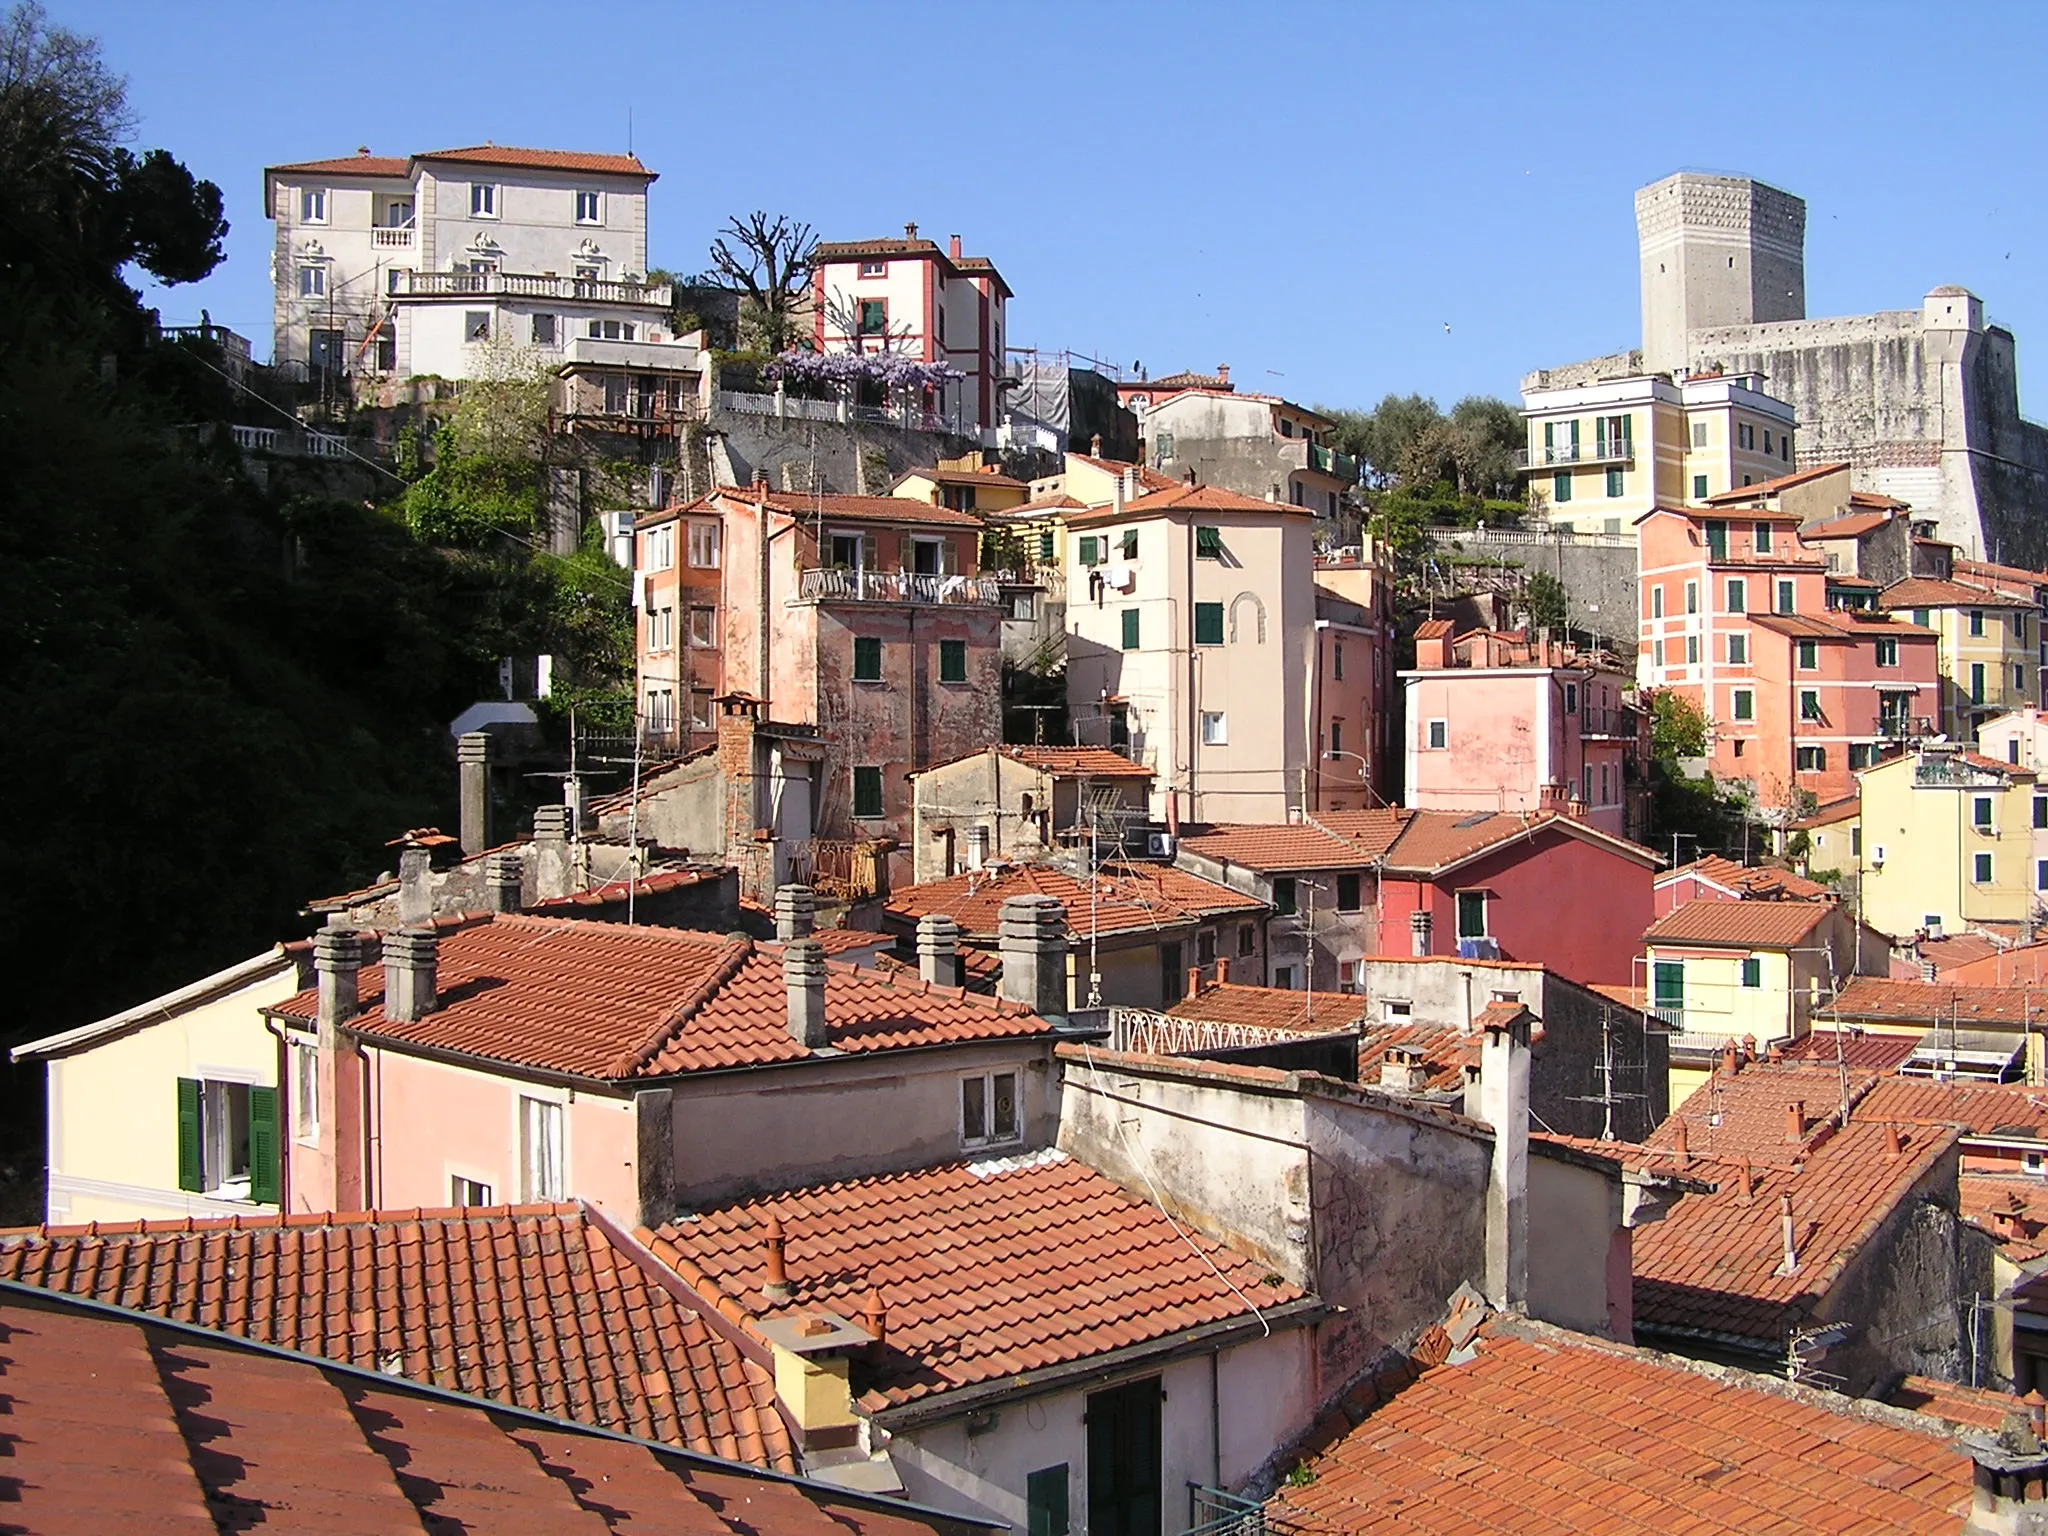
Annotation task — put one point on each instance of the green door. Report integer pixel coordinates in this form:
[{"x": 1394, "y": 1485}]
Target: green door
[
  {"x": 1670, "y": 992},
  {"x": 1123, "y": 1460}
]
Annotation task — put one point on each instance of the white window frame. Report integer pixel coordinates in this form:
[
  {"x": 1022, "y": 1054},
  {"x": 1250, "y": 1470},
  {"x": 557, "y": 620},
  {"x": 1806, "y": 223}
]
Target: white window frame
[
  {"x": 543, "y": 1149},
  {"x": 706, "y": 539},
  {"x": 305, "y": 1058},
  {"x": 312, "y": 205},
  {"x": 458, "y": 1194},
  {"x": 483, "y": 200},
  {"x": 1215, "y": 728},
  {"x": 874, "y": 269},
  {"x": 216, "y": 1128},
  {"x": 990, "y": 1137},
  {"x": 1436, "y": 735},
  {"x": 313, "y": 280},
  {"x": 658, "y": 548},
  {"x": 703, "y": 627},
  {"x": 596, "y": 214},
  {"x": 471, "y": 335}
]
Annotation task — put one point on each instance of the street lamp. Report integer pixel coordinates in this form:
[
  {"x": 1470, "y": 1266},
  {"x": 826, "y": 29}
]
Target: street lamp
[{"x": 1364, "y": 773}]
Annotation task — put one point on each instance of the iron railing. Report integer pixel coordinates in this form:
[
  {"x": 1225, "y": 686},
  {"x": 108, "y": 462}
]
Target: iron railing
[
  {"x": 1212, "y": 1512},
  {"x": 1602, "y": 450},
  {"x": 865, "y": 586}
]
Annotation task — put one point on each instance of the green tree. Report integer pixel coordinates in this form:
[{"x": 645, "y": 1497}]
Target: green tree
[
  {"x": 1678, "y": 728},
  {"x": 1549, "y": 603}
]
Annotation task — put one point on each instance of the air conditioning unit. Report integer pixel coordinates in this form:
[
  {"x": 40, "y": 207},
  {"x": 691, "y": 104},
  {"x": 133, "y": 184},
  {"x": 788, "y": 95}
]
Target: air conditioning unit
[{"x": 1159, "y": 845}]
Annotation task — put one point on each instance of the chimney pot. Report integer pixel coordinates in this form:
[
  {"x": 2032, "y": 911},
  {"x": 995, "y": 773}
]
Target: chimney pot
[
  {"x": 1680, "y": 1153},
  {"x": 776, "y": 1286},
  {"x": 1928, "y": 971},
  {"x": 1223, "y": 373},
  {"x": 1731, "y": 1058},
  {"x": 1894, "y": 1146},
  {"x": 1194, "y": 981},
  {"x": 415, "y": 885},
  {"x": 503, "y": 873},
  {"x": 411, "y": 965},
  {"x": 1795, "y": 1120},
  {"x": 473, "y": 774},
  {"x": 938, "y": 950},
  {"x": 1095, "y": 446},
  {"x": 910, "y": 231},
  {"x": 1032, "y": 933},
  {"x": 1774, "y": 1052},
  {"x": 337, "y": 964},
  {"x": 1786, "y": 1231},
  {"x": 1419, "y": 926},
  {"x": 803, "y": 975},
  {"x": 1744, "y": 1179},
  {"x": 953, "y": 247},
  {"x": 796, "y": 908},
  {"x": 876, "y": 1317},
  {"x": 1222, "y": 969},
  {"x": 551, "y": 860},
  {"x": 977, "y": 846}
]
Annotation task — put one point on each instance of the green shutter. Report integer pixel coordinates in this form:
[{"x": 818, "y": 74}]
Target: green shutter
[
  {"x": 952, "y": 661},
  {"x": 867, "y": 659},
  {"x": 1128, "y": 550},
  {"x": 263, "y": 1160},
  {"x": 1089, "y": 548},
  {"x": 867, "y": 792},
  {"x": 1045, "y": 549},
  {"x": 1208, "y": 623},
  {"x": 1130, "y": 618},
  {"x": 191, "y": 1173},
  {"x": 1208, "y": 543},
  {"x": 1045, "y": 1502}
]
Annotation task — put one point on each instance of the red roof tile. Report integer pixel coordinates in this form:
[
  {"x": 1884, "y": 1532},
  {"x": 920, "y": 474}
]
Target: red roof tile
[
  {"x": 542, "y": 159},
  {"x": 1748, "y": 880},
  {"x": 529, "y": 1305},
  {"x": 1991, "y": 570},
  {"x": 1846, "y": 809},
  {"x": 960, "y": 477},
  {"x": 1080, "y": 762},
  {"x": 1929, "y": 592},
  {"x": 1123, "y": 898},
  {"x": 1433, "y": 842},
  {"x": 1745, "y": 924},
  {"x": 1149, "y": 479},
  {"x": 619, "y": 891},
  {"x": 1938, "y": 1002},
  {"x": 1767, "y": 488},
  {"x": 1960, "y": 1407},
  {"x": 117, "y": 1423},
  {"x": 2011, "y": 1110},
  {"x": 1853, "y": 525},
  {"x": 604, "y": 1000},
  {"x": 2013, "y": 1212},
  {"x": 1225, "y": 1002},
  {"x": 1552, "y": 1433},
  {"x": 988, "y": 1271},
  {"x": 1277, "y": 847},
  {"x": 2025, "y": 965},
  {"x": 1853, "y": 1048},
  {"x": 362, "y": 163},
  {"x": 1182, "y": 497},
  {"x": 1446, "y": 1051}
]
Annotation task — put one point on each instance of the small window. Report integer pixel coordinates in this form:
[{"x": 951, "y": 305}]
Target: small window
[
  {"x": 1752, "y": 973},
  {"x": 540, "y": 1136},
  {"x": 1615, "y": 483},
  {"x": 1738, "y": 650},
  {"x": 483, "y": 202},
  {"x": 1767, "y": 441},
  {"x": 1745, "y": 436},
  {"x": 1205, "y": 947},
  {"x": 1861, "y": 755},
  {"x": 2041, "y": 811},
  {"x": 1855, "y": 842},
  {"x": 1471, "y": 914},
  {"x": 874, "y": 269},
  {"x": 313, "y": 206},
  {"x": 874, "y": 317},
  {"x": 1699, "y": 487},
  {"x": 476, "y": 325},
  {"x": 1215, "y": 729},
  {"x": 1786, "y": 593},
  {"x": 988, "y": 1109},
  {"x": 1976, "y": 621},
  {"x": 1981, "y": 872},
  {"x": 1692, "y": 597},
  {"x": 312, "y": 282},
  {"x": 1127, "y": 546},
  {"x": 867, "y": 793},
  {"x": 1920, "y": 617},
  {"x": 544, "y": 330},
  {"x": 1439, "y": 735},
  {"x": 704, "y": 542},
  {"x": 1347, "y": 893},
  {"x": 867, "y": 659},
  {"x": 703, "y": 626},
  {"x": 2041, "y": 874},
  {"x": 1809, "y": 704},
  {"x": 1045, "y": 549},
  {"x": 1699, "y": 434},
  {"x": 1763, "y": 538},
  {"x": 1208, "y": 623},
  {"x": 1571, "y": 698},
  {"x": 1283, "y": 977},
  {"x": 1657, "y": 652},
  {"x": 1887, "y": 653},
  {"x": 306, "y": 1094},
  {"x": 1738, "y": 595},
  {"x": 1980, "y": 813},
  {"x": 1810, "y": 759},
  {"x": 1283, "y": 896},
  {"x": 1337, "y": 660},
  {"x": 1692, "y": 650},
  {"x": 1130, "y": 628},
  {"x": 466, "y": 1192},
  {"x": 1090, "y": 550},
  {"x": 1745, "y": 704},
  {"x": 1657, "y": 600},
  {"x": 1561, "y": 487},
  {"x": 1208, "y": 543},
  {"x": 587, "y": 208},
  {"x": 952, "y": 661}
]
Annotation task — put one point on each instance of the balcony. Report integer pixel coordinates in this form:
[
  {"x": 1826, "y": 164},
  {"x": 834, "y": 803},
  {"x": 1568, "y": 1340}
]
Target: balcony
[
  {"x": 392, "y": 239},
  {"x": 1942, "y": 771},
  {"x": 407, "y": 284},
  {"x": 863, "y": 586},
  {"x": 1597, "y": 722},
  {"x": 1329, "y": 461},
  {"x": 1602, "y": 450}
]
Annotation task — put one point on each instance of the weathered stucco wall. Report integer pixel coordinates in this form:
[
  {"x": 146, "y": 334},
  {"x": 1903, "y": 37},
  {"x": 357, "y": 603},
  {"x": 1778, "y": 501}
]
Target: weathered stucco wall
[{"x": 1568, "y": 1276}]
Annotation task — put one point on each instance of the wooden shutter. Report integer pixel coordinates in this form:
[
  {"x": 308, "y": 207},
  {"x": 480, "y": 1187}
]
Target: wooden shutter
[
  {"x": 191, "y": 1170},
  {"x": 263, "y": 1146}
]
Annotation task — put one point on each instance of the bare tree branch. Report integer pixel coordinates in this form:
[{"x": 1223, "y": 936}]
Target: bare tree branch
[{"x": 769, "y": 259}]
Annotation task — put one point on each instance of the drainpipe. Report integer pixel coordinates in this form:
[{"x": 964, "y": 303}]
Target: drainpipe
[{"x": 1215, "y": 1419}]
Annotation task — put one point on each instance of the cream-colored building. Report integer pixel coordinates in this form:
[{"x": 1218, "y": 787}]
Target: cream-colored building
[
  {"x": 174, "y": 1107},
  {"x": 1191, "y": 642},
  {"x": 1988, "y": 657},
  {"x": 1948, "y": 842},
  {"x": 1601, "y": 455}
]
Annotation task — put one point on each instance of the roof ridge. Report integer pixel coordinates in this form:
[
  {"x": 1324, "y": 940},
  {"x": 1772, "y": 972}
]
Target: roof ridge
[{"x": 738, "y": 952}]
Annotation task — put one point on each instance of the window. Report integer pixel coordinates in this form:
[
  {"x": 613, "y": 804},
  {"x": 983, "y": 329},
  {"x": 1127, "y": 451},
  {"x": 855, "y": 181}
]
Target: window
[
  {"x": 1980, "y": 813},
  {"x": 1283, "y": 896},
  {"x": 1692, "y": 597},
  {"x": 1283, "y": 977},
  {"x": 703, "y": 626},
  {"x": 1337, "y": 660},
  {"x": 1920, "y": 617},
  {"x": 1767, "y": 442},
  {"x": 1657, "y": 652},
  {"x": 1439, "y": 735},
  {"x": 2041, "y": 811},
  {"x": 1861, "y": 755},
  {"x": 1738, "y": 650},
  {"x": 2041, "y": 874},
  {"x": 1215, "y": 730},
  {"x": 1787, "y": 591},
  {"x": 1810, "y": 759},
  {"x": 463, "y": 1191},
  {"x": 1745, "y": 436},
  {"x": 1208, "y": 543},
  {"x": 227, "y": 1140},
  {"x": 1471, "y": 914},
  {"x": 867, "y": 793},
  {"x": 1856, "y": 842},
  {"x": 1336, "y": 738},
  {"x": 312, "y": 282},
  {"x": 1699, "y": 487},
  {"x": 1752, "y": 973},
  {"x": 1129, "y": 616},
  {"x": 1668, "y": 982},
  {"x": 874, "y": 317},
  {"x": 1247, "y": 938},
  {"x": 1208, "y": 623},
  {"x": 1045, "y": 1502},
  {"x": 1045, "y": 549},
  {"x": 306, "y": 1093},
  {"x": 1763, "y": 538},
  {"x": 1976, "y": 682},
  {"x": 1785, "y": 446},
  {"x": 1980, "y": 869},
  {"x": 1561, "y": 487},
  {"x": 1205, "y": 947},
  {"x": 1571, "y": 698},
  {"x": 1717, "y": 539},
  {"x": 1738, "y": 595},
  {"x": 1809, "y": 704},
  {"x": 1614, "y": 482},
  {"x": 952, "y": 661},
  {"x": 587, "y": 207},
  {"x": 1887, "y": 653},
  {"x": 927, "y": 557},
  {"x": 1127, "y": 546},
  {"x": 704, "y": 545},
  {"x": 611, "y": 330},
  {"x": 874, "y": 269},
  {"x": 658, "y": 548},
  {"x": 1347, "y": 893},
  {"x": 1090, "y": 551},
  {"x": 661, "y": 632},
  {"x": 1657, "y": 601},
  {"x": 988, "y": 1108},
  {"x": 1699, "y": 434},
  {"x": 483, "y": 204},
  {"x": 1976, "y": 621},
  {"x": 540, "y": 1149},
  {"x": 1347, "y": 975},
  {"x": 867, "y": 659},
  {"x": 544, "y": 330},
  {"x": 1692, "y": 650},
  {"x": 1745, "y": 704},
  {"x": 476, "y": 325}
]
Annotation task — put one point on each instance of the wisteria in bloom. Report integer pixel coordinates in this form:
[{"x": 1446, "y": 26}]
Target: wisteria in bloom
[{"x": 845, "y": 370}]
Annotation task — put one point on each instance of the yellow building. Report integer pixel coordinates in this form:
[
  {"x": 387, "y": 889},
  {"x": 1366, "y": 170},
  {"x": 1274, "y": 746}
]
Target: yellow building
[
  {"x": 1834, "y": 839},
  {"x": 1947, "y": 842},
  {"x": 964, "y": 486},
  {"x": 1987, "y": 659},
  {"x": 173, "y": 1108},
  {"x": 1601, "y": 455}
]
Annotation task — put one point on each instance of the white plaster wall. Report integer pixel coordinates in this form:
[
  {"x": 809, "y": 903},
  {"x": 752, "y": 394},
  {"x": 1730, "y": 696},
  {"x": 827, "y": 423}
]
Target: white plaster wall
[{"x": 536, "y": 227}]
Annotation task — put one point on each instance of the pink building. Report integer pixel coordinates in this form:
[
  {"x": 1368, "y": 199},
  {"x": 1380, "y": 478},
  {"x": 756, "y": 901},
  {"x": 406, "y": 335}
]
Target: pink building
[
  {"x": 1353, "y": 683},
  {"x": 1714, "y": 878},
  {"x": 1740, "y": 616},
  {"x": 1499, "y": 721}
]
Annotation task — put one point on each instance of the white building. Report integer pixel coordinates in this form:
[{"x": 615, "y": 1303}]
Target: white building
[
  {"x": 909, "y": 298},
  {"x": 442, "y": 263}
]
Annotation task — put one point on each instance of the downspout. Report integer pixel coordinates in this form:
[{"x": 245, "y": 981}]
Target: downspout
[
  {"x": 1194, "y": 721},
  {"x": 286, "y": 1086},
  {"x": 1216, "y": 1419},
  {"x": 761, "y": 614}
]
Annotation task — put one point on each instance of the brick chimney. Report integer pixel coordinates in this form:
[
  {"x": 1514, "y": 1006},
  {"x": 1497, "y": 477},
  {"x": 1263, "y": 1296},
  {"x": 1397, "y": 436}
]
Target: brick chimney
[
  {"x": 1032, "y": 932},
  {"x": 1223, "y": 374},
  {"x": 473, "y": 775},
  {"x": 953, "y": 247},
  {"x": 1419, "y": 926},
  {"x": 775, "y": 1287},
  {"x": 410, "y": 970},
  {"x": 938, "y": 950},
  {"x": 503, "y": 874},
  {"x": 551, "y": 860},
  {"x": 1222, "y": 970},
  {"x": 2009, "y": 1480},
  {"x": 1795, "y": 1120},
  {"x": 910, "y": 231},
  {"x": 803, "y": 975},
  {"x": 1402, "y": 1071},
  {"x": 415, "y": 885},
  {"x": 796, "y": 908},
  {"x": 1504, "y": 1105},
  {"x": 1680, "y": 1153}
]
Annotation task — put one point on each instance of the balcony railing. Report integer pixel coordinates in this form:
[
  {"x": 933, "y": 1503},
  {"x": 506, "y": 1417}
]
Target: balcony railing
[
  {"x": 1331, "y": 462},
  {"x": 864, "y": 586},
  {"x": 1945, "y": 770},
  {"x": 525, "y": 285},
  {"x": 1602, "y": 450},
  {"x": 392, "y": 239},
  {"x": 1597, "y": 720}
]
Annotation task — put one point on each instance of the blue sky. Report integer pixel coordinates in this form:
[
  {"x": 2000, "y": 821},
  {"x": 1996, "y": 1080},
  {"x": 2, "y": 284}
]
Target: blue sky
[{"x": 1309, "y": 193}]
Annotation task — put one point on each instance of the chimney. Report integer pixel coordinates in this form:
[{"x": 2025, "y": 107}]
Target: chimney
[
  {"x": 2005, "y": 1218},
  {"x": 1504, "y": 1105},
  {"x": 938, "y": 951},
  {"x": 1116, "y": 495},
  {"x": 337, "y": 964},
  {"x": 953, "y": 247},
  {"x": 1894, "y": 1147},
  {"x": 473, "y": 774},
  {"x": 1223, "y": 373},
  {"x": 1095, "y": 446},
  {"x": 330, "y": 1176},
  {"x": 1791, "y": 1264},
  {"x": 409, "y": 974},
  {"x": 776, "y": 1287},
  {"x": 1032, "y": 933},
  {"x": 795, "y": 913},
  {"x": 2009, "y": 1480},
  {"x": 977, "y": 846},
  {"x": 1774, "y": 1053},
  {"x": 415, "y": 885},
  {"x": 503, "y": 873},
  {"x": 1745, "y": 1181},
  {"x": 1222, "y": 970},
  {"x": 1680, "y": 1153},
  {"x": 875, "y": 1317},
  {"x": 803, "y": 974},
  {"x": 1795, "y": 1120},
  {"x": 1194, "y": 981},
  {"x": 1402, "y": 1070},
  {"x": 1928, "y": 972},
  {"x": 1731, "y": 1058},
  {"x": 910, "y": 231},
  {"x": 1419, "y": 925},
  {"x": 551, "y": 866}
]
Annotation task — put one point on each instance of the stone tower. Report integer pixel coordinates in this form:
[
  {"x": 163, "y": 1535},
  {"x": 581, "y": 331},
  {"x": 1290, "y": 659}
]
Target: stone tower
[{"x": 1716, "y": 251}]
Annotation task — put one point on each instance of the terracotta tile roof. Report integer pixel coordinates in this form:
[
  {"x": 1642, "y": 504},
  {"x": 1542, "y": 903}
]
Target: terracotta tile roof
[
  {"x": 362, "y": 163},
  {"x": 1125, "y": 898},
  {"x": 1276, "y": 847},
  {"x": 1744, "y": 1116},
  {"x": 1841, "y": 624},
  {"x": 1992, "y": 571},
  {"x": 2013, "y": 1212},
  {"x": 1957, "y": 949},
  {"x": 1930, "y": 592},
  {"x": 1178, "y": 496},
  {"x": 529, "y": 1305},
  {"x": 1846, "y": 809},
  {"x": 1228, "y": 1002},
  {"x": 1433, "y": 842},
  {"x": 961, "y": 477},
  {"x": 1747, "y": 924},
  {"x": 1852, "y": 526},
  {"x": 870, "y": 509},
  {"x": 1872, "y": 499},
  {"x": 1080, "y": 762},
  {"x": 1446, "y": 1052},
  {"x": 1058, "y": 503},
  {"x": 1186, "y": 379},
  {"x": 1547, "y": 1432},
  {"x": 1762, "y": 488},
  {"x": 120, "y": 1423},
  {"x": 988, "y": 1271},
  {"x": 542, "y": 159},
  {"x": 603, "y": 1000},
  {"x": 1629, "y": 997},
  {"x": 1961, "y": 1407},
  {"x": 1435, "y": 629},
  {"x": 1855, "y": 1048},
  {"x": 1149, "y": 479},
  {"x": 653, "y": 883},
  {"x": 1990, "y": 1110},
  {"x": 1938, "y": 1002},
  {"x": 2023, "y": 965},
  {"x": 1749, "y": 880}
]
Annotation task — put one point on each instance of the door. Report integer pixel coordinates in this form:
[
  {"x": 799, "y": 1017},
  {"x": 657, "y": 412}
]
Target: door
[
  {"x": 1123, "y": 1460},
  {"x": 1670, "y": 993},
  {"x": 1172, "y": 979}
]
